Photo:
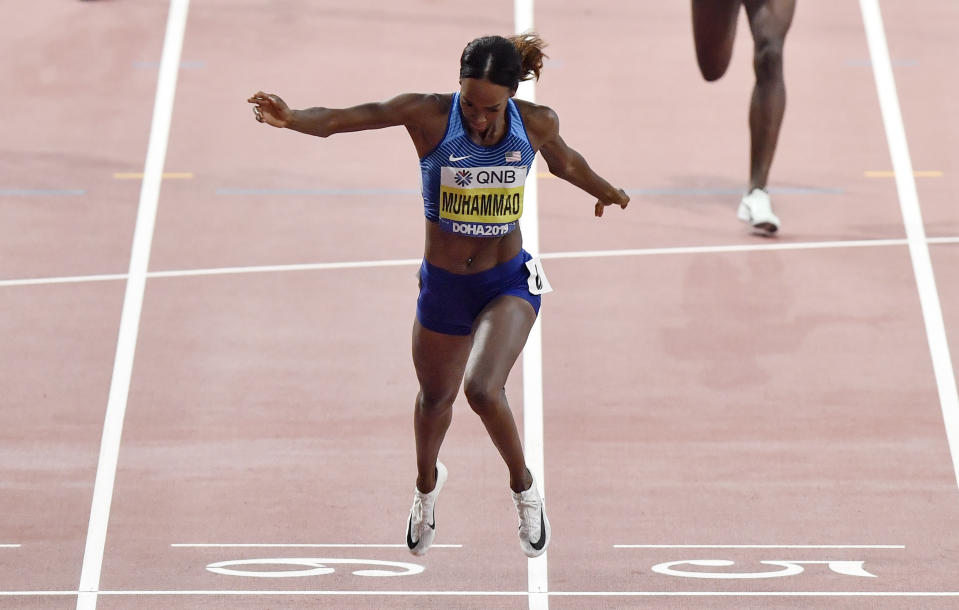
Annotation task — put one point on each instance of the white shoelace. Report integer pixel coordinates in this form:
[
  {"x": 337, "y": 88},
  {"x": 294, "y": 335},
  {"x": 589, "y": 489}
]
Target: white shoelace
[
  {"x": 418, "y": 511},
  {"x": 529, "y": 511}
]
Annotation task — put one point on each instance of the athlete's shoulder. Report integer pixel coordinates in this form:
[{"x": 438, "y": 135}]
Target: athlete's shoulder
[
  {"x": 427, "y": 118},
  {"x": 423, "y": 103},
  {"x": 542, "y": 122}
]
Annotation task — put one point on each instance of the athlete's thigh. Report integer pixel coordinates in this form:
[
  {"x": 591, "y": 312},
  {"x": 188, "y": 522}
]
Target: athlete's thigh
[
  {"x": 439, "y": 360},
  {"x": 714, "y": 32},
  {"x": 769, "y": 20},
  {"x": 499, "y": 335}
]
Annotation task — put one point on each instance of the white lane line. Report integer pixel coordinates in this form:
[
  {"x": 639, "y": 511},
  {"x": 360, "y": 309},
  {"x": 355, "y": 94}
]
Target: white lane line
[
  {"x": 73, "y": 279},
  {"x": 10, "y": 546},
  {"x": 915, "y": 230},
  {"x": 260, "y": 593},
  {"x": 295, "y": 267},
  {"x": 447, "y": 593},
  {"x": 759, "y": 546},
  {"x": 756, "y": 593},
  {"x": 537, "y": 574},
  {"x": 257, "y": 545},
  {"x": 40, "y": 192},
  {"x": 402, "y": 262},
  {"x": 218, "y": 271},
  {"x": 816, "y": 245},
  {"x": 132, "y": 306}
]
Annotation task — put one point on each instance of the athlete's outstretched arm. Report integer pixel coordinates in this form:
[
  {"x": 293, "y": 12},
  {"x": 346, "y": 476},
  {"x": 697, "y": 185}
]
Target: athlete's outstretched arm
[
  {"x": 566, "y": 163},
  {"x": 401, "y": 110}
]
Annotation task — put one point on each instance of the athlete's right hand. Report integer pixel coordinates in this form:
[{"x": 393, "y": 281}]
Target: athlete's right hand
[
  {"x": 620, "y": 198},
  {"x": 270, "y": 109}
]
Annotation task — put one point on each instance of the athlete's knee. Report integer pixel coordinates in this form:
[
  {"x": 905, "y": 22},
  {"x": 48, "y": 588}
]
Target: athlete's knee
[
  {"x": 433, "y": 402},
  {"x": 482, "y": 395},
  {"x": 711, "y": 67},
  {"x": 768, "y": 59},
  {"x": 711, "y": 75}
]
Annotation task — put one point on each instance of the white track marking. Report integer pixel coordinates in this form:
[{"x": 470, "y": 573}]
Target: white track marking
[
  {"x": 408, "y": 593},
  {"x": 915, "y": 230},
  {"x": 820, "y": 245},
  {"x": 757, "y": 594},
  {"x": 537, "y": 575},
  {"x": 132, "y": 306},
  {"x": 237, "y": 545},
  {"x": 759, "y": 546},
  {"x": 400, "y": 262},
  {"x": 406, "y": 262},
  {"x": 74, "y": 279}
]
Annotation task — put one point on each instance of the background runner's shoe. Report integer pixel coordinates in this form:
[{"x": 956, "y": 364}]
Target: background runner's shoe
[
  {"x": 756, "y": 209},
  {"x": 534, "y": 532},
  {"x": 421, "y": 527}
]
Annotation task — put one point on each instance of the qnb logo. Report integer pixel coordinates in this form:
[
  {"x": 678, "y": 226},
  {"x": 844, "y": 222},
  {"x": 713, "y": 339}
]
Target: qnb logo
[
  {"x": 463, "y": 178},
  {"x": 496, "y": 177}
]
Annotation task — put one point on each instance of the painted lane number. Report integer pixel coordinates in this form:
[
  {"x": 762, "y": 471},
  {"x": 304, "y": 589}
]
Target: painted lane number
[
  {"x": 306, "y": 566},
  {"x": 787, "y": 568}
]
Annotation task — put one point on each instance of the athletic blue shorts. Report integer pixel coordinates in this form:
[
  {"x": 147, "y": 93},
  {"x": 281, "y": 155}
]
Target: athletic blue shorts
[{"x": 449, "y": 302}]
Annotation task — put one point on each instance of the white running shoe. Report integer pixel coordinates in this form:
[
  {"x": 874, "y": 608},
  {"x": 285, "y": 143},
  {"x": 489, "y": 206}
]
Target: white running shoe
[
  {"x": 534, "y": 532},
  {"x": 421, "y": 527},
  {"x": 756, "y": 209}
]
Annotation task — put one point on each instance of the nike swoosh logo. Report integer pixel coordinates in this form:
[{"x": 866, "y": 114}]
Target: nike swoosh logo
[
  {"x": 409, "y": 534},
  {"x": 538, "y": 545},
  {"x": 455, "y": 159},
  {"x": 409, "y": 531}
]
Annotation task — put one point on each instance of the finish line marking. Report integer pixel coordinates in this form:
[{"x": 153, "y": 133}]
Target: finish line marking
[
  {"x": 759, "y": 546},
  {"x": 306, "y": 546},
  {"x": 342, "y": 593}
]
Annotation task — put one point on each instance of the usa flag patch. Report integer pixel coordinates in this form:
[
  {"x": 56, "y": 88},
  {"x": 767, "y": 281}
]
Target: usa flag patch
[{"x": 513, "y": 156}]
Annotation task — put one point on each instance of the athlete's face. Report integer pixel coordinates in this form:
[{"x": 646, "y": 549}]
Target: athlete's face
[{"x": 483, "y": 104}]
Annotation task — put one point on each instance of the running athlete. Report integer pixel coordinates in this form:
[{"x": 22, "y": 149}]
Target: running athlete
[
  {"x": 478, "y": 288},
  {"x": 714, "y": 31}
]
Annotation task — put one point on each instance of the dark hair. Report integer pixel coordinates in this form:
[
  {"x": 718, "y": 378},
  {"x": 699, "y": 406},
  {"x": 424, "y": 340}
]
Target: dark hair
[{"x": 503, "y": 61}]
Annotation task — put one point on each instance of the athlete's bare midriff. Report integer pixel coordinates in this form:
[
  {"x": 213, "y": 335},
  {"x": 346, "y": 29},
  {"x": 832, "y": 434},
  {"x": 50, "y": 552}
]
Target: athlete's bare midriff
[{"x": 467, "y": 255}]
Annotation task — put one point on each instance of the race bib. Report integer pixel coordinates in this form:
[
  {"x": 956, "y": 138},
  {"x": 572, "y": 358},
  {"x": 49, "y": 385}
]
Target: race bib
[
  {"x": 538, "y": 284},
  {"x": 481, "y": 201}
]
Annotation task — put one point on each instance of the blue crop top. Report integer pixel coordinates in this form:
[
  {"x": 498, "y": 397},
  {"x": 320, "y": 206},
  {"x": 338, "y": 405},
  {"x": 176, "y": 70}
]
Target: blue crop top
[{"x": 477, "y": 190}]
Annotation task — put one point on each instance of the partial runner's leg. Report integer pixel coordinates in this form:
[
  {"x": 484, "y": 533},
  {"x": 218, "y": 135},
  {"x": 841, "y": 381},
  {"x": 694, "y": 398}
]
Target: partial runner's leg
[
  {"x": 769, "y": 20},
  {"x": 714, "y": 31},
  {"x": 439, "y": 360},
  {"x": 499, "y": 335}
]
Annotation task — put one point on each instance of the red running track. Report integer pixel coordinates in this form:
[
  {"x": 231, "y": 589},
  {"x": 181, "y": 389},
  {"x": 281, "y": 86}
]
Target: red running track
[{"x": 715, "y": 405}]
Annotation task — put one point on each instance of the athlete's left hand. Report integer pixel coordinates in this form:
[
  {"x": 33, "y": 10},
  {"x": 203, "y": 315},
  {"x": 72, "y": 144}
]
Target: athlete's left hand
[
  {"x": 621, "y": 199},
  {"x": 270, "y": 109}
]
